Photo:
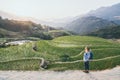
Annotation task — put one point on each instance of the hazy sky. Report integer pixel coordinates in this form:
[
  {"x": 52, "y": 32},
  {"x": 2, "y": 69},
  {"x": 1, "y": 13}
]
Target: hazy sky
[{"x": 49, "y": 9}]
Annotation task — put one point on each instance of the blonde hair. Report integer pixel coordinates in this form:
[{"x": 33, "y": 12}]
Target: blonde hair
[{"x": 87, "y": 48}]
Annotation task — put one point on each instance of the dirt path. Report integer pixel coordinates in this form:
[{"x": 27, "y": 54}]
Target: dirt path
[
  {"x": 91, "y": 60},
  {"x": 113, "y": 74}
]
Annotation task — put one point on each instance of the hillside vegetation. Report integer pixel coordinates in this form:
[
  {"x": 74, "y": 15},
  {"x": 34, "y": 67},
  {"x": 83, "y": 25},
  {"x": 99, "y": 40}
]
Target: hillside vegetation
[
  {"x": 111, "y": 32},
  {"x": 23, "y": 29},
  {"x": 64, "y": 53}
]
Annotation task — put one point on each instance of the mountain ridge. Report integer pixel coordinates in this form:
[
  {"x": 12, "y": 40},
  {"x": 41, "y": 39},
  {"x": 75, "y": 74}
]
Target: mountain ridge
[
  {"x": 88, "y": 24},
  {"x": 101, "y": 18}
]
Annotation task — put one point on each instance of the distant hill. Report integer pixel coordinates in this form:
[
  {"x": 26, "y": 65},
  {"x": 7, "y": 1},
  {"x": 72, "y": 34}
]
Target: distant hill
[
  {"x": 110, "y": 13},
  {"x": 13, "y": 28},
  {"x": 53, "y": 22},
  {"x": 92, "y": 21},
  {"x": 111, "y": 32},
  {"x": 85, "y": 25},
  {"x": 21, "y": 29},
  {"x": 101, "y": 18}
]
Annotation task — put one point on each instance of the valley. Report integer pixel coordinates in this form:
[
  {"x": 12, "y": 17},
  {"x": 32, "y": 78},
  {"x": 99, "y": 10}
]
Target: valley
[{"x": 23, "y": 57}]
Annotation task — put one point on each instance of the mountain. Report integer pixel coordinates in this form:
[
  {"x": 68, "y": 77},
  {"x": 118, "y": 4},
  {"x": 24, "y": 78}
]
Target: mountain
[
  {"x": 92, "y": 21},
  {"x": 95, "y": 20},
  {"x": 57, "y": 23},
  {"x": 110, "y": 13},
  {"x": 23, "y": 29},
  {"x": 85, "y": 25},
  {"x": 13, "y": 28},
  {"x": 111, "y": 32}
]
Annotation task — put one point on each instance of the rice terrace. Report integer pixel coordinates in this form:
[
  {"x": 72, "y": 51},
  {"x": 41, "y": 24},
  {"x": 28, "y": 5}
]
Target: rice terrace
[{"x": 63, "y": 53}]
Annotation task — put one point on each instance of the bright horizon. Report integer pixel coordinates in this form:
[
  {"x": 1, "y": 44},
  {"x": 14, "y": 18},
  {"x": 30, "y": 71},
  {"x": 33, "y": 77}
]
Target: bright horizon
[{"x": 52, "y": 9}]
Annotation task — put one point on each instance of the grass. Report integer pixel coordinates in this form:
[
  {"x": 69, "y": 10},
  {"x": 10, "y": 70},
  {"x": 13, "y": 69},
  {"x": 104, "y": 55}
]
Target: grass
[
  {"x": 95, "y": 65},
  {"x": 27, "y": 64},
  {"x": 52, "y": 50}
]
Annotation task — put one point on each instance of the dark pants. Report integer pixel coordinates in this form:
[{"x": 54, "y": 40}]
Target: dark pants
[{"x": 86, "y": 64}]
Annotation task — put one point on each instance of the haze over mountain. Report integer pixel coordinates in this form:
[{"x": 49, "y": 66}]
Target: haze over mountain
[
  {"x": 109, "y": 13},
  {"x": 54, "y": 22},
  {"x": 11, "y": 16},
  {"x": 61, "y": 22},
  {"x": 88, "y": 24},
  {"x": 92, "y": 21},
  {"x": 97, "y": 19}
]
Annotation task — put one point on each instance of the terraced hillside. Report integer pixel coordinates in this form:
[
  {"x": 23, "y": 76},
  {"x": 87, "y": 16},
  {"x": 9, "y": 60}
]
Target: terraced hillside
[{"x": 63, "y": 53}]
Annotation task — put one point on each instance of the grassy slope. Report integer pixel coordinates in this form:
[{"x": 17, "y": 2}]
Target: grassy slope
[
  {"x": 52, "y": 50},
  {"x": 6, "y": 33}
]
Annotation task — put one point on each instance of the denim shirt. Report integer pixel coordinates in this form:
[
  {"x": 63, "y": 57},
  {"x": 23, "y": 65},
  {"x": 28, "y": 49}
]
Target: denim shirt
[{"x": 86, "y": 56}]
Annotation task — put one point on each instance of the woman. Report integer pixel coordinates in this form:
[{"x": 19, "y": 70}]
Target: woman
[{"x": 86, "y": 58}]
